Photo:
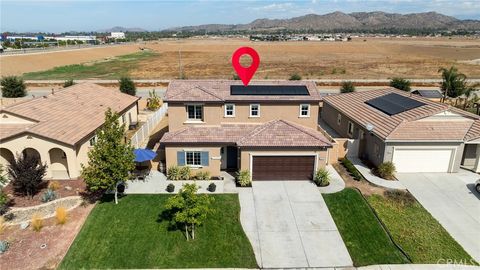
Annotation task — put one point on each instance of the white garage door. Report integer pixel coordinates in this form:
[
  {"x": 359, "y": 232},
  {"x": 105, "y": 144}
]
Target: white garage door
[{"x": 422, "y": 160}]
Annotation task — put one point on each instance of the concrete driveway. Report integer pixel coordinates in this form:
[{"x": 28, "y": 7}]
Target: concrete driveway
[
  {"x": 452, "y": 200},
  {"x": 289, "y": 226}
]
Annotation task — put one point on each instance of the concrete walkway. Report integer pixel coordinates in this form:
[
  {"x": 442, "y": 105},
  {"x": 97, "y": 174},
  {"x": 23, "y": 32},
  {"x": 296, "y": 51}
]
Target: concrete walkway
[
  {"x": 336, "y": 182},
  {"x": 370, "y": 177},
  {"x": 289, "y": 226},
  {"x": 452, "y": 200},
  {"x": 419, "y": 267}
]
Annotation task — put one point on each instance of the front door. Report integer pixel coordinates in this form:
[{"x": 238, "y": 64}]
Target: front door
[{"x": 232, "y": 156}]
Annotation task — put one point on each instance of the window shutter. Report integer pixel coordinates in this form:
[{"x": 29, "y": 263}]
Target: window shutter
[
  {"x": 181, "y": 158},
  {"x": 204, "y": 158}
]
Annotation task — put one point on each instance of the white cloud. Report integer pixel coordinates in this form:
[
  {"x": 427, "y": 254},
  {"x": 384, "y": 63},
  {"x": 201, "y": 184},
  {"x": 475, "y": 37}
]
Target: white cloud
[{"x": 275, "y": 7}]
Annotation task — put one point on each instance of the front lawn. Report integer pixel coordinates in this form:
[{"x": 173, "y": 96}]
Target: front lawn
[
  {"x": 417, "y": 232},
  {"x": 365, "y": 238},
  {"x": 131, "y": 235}
]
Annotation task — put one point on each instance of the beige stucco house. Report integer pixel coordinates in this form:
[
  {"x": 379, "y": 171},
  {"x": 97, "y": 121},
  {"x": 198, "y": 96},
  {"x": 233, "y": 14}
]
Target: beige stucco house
[
  {"x": 268, "y": 128},
  {"x": 60, "y": 127}
]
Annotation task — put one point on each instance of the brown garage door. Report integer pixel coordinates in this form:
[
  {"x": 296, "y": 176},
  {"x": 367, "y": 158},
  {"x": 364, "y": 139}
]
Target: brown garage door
[{"x": 283, "y": 167}]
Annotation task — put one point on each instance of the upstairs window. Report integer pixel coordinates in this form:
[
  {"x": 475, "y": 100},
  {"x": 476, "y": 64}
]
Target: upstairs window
[
  {"x": 304, "y": 110},
  {"x": 229, "y": 110},
  {"x": 195, "y": 112},
  {"x": 339, "y": 119},
  {"x": 93, "y": 140},
  {"x": 254, "y": 110},
  {"x": 350, "y": 128}
]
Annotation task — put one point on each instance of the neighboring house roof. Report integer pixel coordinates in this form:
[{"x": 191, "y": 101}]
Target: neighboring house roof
[
  {"x": 275, "y": 133},
  {"x": 420, "y": 123},
  {"x": 68, "y": 115},
  {"x": 219, "y": 91},
  {"x": 428, "y": 93}
]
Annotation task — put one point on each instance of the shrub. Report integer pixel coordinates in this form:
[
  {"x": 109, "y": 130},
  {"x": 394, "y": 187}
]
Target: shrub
[
  {"x": 185, "y": 173},
  {"x": 4, "y": 200},
  {"x": 386, "y": 170},
  {"x": 3, "y": 246},
  {"x": 295, "y": 77},
  {"x": 322, "y": 178},
  {"x": 170, "y": 188},
  {"x": 153, "y": 101},
  {"x": 54, "y": 185},
  {"x": 243, "y": 178},
  {"x": 236, "y": 77},
  {"x": 212, "y": 187},
  {"x": 127, "y": 86},
  {"x": 2, "y": 225},
  {"x": 347, "y": 87},
  {"x": 173, "y": 173},
  {"x": 205, "y": 175},
  {"x": 400, "y": 196},
  {"x": 61, "y": 215},
  {"x": 68, "y": 83},
  {"x": 401, "y": 84},
  {"x": 13, "y": 87},
  {"x": 351, "y": 169},
  {"x": 49, "y": 195},
  {"x": 27, "y": 174},
  {"x": 37, "y": 222}
]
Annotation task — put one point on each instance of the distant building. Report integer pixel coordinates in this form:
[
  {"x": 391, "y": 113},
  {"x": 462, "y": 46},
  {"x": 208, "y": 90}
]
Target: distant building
[
  {"x": 116, "y": 35},
  {"x": 81, "y": 38}
]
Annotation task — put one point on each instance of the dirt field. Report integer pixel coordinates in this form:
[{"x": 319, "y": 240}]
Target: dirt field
[{"x": 202, "y": 58}]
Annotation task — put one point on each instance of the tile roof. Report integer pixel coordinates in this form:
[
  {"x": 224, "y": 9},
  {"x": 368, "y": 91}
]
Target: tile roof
[
  {"x": 219, "y": 91},
  {"x": 69, "y": 114},
  {"x": 413, "y": 124},
  {"x": 275, "y": 133}
]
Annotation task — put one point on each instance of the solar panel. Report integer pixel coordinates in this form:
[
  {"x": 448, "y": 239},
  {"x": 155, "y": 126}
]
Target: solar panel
[
  {"x": 392, "y": 104},
  {"x": 269, "y": 90},
  {"x": 428, "y": 93}
]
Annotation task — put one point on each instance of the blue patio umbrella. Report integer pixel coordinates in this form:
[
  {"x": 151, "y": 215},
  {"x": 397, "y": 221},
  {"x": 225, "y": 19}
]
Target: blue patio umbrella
[{"x": 144, "y": 154}]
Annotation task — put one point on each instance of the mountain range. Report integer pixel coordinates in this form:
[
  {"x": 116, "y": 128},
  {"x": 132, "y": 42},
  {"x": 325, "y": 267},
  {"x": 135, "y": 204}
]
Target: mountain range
[{"x": 357, "y": 21}]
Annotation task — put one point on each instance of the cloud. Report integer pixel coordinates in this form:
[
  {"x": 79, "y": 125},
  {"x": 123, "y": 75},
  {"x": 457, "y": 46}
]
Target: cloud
[{"x": 275, "y": 7}]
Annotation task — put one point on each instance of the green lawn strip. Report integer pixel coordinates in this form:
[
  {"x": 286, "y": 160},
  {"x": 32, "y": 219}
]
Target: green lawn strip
[
  {"x": 417, "y": 232},
  {"x": 110, "y": 69},
  {"x": 366, "y": 240},
  {"x": 130, "y": 235}
]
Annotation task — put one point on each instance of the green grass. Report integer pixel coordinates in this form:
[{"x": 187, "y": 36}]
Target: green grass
[
  {"x": 363, "y": 235},
  {"x": 417, "y": 232},
  {"x": 130, "y": 235},
  {"x": 110, "y": 69}
]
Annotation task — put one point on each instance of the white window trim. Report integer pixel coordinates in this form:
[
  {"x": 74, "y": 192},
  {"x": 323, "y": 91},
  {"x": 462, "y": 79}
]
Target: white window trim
[
  {"x": 191, "y": 165},
  {"x": 258, "y": 106},
  {"x": 300, "y": 111},
  {"x": 339, "y": 119},
  {"x": 195, "y": 119},
  {"x": 350, "y": 124},
  {"x": 225, "y": 111}
]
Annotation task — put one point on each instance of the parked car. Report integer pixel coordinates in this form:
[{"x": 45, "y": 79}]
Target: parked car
[{"x": 477, "y": 185}]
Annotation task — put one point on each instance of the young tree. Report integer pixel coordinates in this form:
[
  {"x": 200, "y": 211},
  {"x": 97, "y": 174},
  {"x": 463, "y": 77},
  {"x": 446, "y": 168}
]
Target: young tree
[
  {"x": 13, "y": 87},
  {"x": 127, "y": 86},
  {"x": 153, "y": 101},
  {"x": 111, "y": 159},
  {"x": 68, "y": 83},
  {"x": 347, "y": 87},
  {"x": 469, "y": 92},
  {"x": 401, "y": 84},
  {"x": 189, "y": 208},
  {"x": 27, "y": 174},
  {"x": 453, "y": 82}
]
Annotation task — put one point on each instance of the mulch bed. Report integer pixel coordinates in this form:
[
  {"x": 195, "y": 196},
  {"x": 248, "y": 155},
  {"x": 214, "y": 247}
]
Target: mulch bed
[
  {"x": 17, "y": 200},
  {"x": 363, "y": 185},
  {"x": 25, "y": 250}
]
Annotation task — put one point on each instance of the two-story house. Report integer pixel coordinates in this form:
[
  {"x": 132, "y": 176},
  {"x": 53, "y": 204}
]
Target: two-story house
[{"x": 268, "y": 128}]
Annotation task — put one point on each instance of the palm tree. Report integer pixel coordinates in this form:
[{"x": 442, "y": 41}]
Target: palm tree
[
  {"x": 470, "y": 95},
  {"x": 453, "y": 84}
]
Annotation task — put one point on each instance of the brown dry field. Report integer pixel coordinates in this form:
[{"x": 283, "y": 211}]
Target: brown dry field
[{"x": 374, "y": 58}]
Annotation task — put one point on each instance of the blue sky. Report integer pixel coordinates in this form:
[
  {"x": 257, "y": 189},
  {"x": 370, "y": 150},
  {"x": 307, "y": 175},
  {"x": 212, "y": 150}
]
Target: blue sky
[{"x": 87, "y": 15}]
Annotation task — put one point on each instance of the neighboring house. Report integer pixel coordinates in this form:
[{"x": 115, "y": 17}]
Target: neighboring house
[
  {"x": 433, "y": 95},
  {"x": 268, "y": 128},
  {"x": 415, "y": 133},
  {"x": 60, "y": 128}
]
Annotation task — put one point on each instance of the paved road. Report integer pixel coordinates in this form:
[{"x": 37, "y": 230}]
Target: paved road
[
  {"x": 452, "y": 200},
  {"x": 290, "y": 226}
]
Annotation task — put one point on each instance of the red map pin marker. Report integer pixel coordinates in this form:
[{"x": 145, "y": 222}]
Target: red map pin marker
[{"x": 245, "y": 73}]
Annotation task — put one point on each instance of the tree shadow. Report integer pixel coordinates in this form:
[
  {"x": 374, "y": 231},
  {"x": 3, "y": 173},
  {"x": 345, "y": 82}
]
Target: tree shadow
[{"x": 167, "y": 216}]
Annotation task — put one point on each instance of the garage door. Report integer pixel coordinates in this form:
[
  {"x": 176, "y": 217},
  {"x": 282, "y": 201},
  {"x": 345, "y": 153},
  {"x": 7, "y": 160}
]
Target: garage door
[
  {"x": 422, "y": 160},
  {"x": 283, "y": 167}
]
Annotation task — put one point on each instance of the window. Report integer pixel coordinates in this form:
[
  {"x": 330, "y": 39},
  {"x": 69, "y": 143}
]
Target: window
[
  {"x": 304, "y": 110},
  {"x": 350, "y": 128},
  {"x": 254, "y": 110},
  {"x": 195, "y": 112},
  {"x": 376, "y": 150},
  {"x": 93, "y": 140},
  {"x": 193, "y": 158},
  {"x": 229, "y": 110},
  {"x": 339, "y": 119},
  {"x": 123, "y": 118}
]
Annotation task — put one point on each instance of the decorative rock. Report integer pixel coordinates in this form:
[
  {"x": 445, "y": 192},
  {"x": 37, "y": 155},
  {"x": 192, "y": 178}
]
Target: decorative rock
[
  {"x": 24, "y": 225},
  {"x": 68, "y": 187}
]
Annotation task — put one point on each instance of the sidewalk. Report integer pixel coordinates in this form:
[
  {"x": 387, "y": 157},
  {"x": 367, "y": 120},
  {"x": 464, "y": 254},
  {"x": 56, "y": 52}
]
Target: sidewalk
[
  {"x": 370, "y": 177},
  {"x": 336, "y": 182}
]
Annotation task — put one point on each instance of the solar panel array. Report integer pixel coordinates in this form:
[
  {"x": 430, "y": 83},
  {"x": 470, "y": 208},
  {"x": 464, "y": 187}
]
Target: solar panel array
[
  {"x": 392, "y": 104},
  {"x": 428, "y": 93},
  {"x": 269, "y": 90}
]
